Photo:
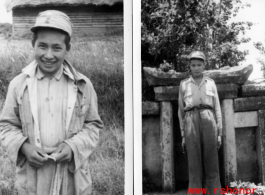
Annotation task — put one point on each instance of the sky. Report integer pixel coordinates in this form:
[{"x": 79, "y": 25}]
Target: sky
[
  {"x": 254, "y": 14},
  {"x": 4, "y": 16}
]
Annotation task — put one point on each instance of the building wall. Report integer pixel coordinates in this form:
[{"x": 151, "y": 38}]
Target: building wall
[{"x": 89, "y": 20}]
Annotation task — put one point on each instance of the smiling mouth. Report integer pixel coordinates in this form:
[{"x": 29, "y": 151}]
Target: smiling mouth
[{"x": 48, "y": 63}]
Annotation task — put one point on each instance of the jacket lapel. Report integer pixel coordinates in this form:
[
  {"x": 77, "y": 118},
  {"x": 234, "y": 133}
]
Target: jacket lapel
[{"x": 31, "y": 82}]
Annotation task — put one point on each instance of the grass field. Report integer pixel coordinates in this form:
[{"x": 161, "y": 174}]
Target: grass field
[{"x": 102, "y": 62}]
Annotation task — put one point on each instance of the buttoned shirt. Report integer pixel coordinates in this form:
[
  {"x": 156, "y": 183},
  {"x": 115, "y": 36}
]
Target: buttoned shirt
[
  {"x": 52, "y": 102},
  {"x": 192, "y": 94}
]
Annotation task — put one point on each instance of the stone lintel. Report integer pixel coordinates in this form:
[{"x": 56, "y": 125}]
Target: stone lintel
[
  {"x": 246, "y": 119},
  {"x": 261, "y": 146},
  {"x": 166, "y": 130},
  {"x": 253, "y": 90},
  {"x": 150, "y": 108},
  {"x": 238, "y": 75},
  {"x": 249, "y": 104},
  {"x": 171, "y": 93},
  {"x": 229, "y": 141},
  {"x": 227, "y": 91}
]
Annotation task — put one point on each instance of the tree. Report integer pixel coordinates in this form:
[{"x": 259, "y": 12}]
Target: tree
[
  {"x": 171, "y": 29},
  {"x": 259, "y": 46}
]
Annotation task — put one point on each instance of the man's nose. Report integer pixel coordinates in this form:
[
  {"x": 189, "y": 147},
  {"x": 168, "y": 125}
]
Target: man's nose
[{"x": 49, "y": 54}]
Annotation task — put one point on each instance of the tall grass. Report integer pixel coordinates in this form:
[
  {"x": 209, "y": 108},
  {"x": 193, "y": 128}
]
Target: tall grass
[{"x": 102, "y": 62}]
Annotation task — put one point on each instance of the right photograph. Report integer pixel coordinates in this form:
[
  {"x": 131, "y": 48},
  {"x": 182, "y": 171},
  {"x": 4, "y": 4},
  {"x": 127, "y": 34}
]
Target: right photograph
[{"x": 203, "y": 97}]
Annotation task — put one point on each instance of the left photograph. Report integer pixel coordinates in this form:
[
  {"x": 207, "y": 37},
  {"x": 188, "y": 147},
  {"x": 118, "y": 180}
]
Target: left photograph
[{"x": 62, "y": 97}]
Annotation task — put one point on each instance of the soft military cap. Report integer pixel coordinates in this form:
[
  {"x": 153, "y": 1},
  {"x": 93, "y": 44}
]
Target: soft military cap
[
  {"x": 53, "y": 19},
  {"x": 197, "y": 55}
]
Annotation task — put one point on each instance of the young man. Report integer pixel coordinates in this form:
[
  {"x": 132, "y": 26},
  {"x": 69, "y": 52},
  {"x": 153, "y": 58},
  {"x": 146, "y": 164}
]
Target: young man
[
  {"x": 50, "y": 123},
  {"x": 201, "y": 134}
]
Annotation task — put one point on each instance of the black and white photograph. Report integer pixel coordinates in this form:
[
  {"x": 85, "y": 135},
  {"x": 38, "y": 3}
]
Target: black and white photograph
[
  {"x": 62, "y": 97},
  {"x": 203, "y": 96}
]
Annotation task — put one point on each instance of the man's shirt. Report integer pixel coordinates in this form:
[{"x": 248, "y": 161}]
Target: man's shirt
[
  {"x": 52, "y": 102},
  {"x": 191, "y": 94}
]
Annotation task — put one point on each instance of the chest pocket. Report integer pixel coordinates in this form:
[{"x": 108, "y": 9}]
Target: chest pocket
[
  {"x": 81, "y": 109},
  {"x": 209, "y": 97}
]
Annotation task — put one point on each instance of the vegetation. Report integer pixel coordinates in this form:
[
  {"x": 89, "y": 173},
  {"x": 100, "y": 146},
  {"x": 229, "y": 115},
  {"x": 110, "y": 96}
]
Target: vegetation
[
  {"x": 171, "y": 29},
  {"x": 261, "y": 61},
  {"x": 5, "y": 29},
  {"x": 102, "y": 62},
  {"x": 237, "y": 185}
]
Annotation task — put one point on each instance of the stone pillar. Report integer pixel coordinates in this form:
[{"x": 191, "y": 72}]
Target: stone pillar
[
  {"x": 261, "y": 145},
  {"x": 166, "y": 134},
  {"x": 229, "y": 141}
]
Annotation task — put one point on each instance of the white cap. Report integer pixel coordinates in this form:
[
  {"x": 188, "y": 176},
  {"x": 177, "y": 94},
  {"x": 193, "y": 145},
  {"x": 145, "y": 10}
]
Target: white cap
[
  {"x": 54, "y": 19},
  {"x": 197, "y": 55}
]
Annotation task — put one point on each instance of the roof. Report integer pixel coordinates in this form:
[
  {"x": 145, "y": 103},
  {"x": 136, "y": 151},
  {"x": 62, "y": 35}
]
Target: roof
[{"x": 10, "y": 4}]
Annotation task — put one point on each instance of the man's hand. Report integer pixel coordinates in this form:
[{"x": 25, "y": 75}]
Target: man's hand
[
  {"x": 183, "y": 144},
  {"x": 63, "y": 153},
  {"x": 219, "y": 141},
  {"x": 35, "y": 156}
]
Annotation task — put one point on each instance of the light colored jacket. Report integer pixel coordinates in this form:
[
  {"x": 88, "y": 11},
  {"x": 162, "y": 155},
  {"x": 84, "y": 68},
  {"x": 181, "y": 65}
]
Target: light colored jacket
[{"x": 19, "y": 119}]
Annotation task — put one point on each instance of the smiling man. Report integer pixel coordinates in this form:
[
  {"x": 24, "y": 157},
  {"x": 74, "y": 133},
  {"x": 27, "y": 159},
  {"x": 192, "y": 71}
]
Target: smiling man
[{"x": 50, "y": 123}]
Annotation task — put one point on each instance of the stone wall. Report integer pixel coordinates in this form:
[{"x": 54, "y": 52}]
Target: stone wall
[{"x": 242, "y": 155}]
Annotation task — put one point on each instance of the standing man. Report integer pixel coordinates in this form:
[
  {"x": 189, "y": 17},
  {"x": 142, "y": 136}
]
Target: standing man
[
  {"x": 201, "y": 126},
  {"x": 50, "y": 123}
]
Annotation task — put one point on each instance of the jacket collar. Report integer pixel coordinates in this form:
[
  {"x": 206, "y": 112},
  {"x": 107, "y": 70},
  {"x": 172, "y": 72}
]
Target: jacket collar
[
  {"x": 69, "y": 70},
  {"x": 204, "y": 79}
]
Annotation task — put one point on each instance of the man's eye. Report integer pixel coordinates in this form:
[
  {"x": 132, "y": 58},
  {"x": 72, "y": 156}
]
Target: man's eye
[
  {"x": 42, "y": 46},
  {"x": 57, "y": 48}
]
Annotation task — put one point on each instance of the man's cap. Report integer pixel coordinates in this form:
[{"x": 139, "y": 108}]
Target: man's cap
[
  {"x": 54, "y": 19},
  {"x": 197, "y": 55}
]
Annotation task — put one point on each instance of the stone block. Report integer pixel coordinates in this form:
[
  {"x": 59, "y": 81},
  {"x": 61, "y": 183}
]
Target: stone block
[
  {"x": 151, "y": 154},
  {"x": 229, "y": 141},
  {"x": 150, "y": 108},
  {"x": 249, "y": 104},
  {"x": 246, "y": 119},
  {"x": 253, "y": 90},
  {"x": 247, "y": 161},
  {"x": 171, "y": 93},
  {"x": 261, "y": 146},
  {"x": 166, "y": 130}
]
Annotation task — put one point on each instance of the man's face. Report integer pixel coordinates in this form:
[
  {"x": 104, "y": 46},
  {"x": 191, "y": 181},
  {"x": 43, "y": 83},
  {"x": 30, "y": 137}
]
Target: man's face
[
  {"x": 50, "y": 50},
  {"x": 197, "y": 67}
]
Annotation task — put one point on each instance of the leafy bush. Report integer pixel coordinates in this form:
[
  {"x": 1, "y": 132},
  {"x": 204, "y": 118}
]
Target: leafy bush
[{"x": 258, "y": 189}]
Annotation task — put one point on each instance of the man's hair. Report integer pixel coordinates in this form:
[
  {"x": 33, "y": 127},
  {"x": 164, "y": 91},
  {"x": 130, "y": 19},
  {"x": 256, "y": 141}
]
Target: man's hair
[{"x": 67, "y": 37}]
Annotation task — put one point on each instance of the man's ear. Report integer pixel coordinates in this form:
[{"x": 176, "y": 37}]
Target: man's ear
[{"x": 32, "y": 43}]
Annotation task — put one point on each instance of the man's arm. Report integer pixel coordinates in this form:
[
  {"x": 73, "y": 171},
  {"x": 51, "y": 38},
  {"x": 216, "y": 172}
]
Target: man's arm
[
  {"x": 11, "y": 136},
  {"x": 83, "y": 143}
]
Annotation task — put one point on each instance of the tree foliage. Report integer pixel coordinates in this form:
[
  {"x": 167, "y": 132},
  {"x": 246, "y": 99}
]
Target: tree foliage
[
  {"x": 171, "y": 29},
  {"x": 259, "y": 46}
]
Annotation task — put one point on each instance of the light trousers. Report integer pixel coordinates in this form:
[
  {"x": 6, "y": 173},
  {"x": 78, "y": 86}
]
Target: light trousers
[{"x": 202, "y": 148}]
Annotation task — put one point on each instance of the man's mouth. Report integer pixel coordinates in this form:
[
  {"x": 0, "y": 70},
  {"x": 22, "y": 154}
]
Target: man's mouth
[{"x": 48, "y": 63}]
